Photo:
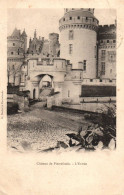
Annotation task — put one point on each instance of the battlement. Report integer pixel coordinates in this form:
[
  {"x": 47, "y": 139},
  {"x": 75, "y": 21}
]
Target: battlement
[
  {"x": 111, "y": 26},
  {"x": 78, "y": 18},
  {"x": 95, "y": 81},
  {"x": 107, "y": 31},
  {"x": 53, "y": 35},
  {"x": 76, "y": 9}
]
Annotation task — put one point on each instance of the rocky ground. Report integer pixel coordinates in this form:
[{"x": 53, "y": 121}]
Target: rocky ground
[{"x": 39, "y": 128}]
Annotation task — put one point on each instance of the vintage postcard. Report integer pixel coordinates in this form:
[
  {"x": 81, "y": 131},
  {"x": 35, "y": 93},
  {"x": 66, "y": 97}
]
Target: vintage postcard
[{"x": 61, "y": 98}]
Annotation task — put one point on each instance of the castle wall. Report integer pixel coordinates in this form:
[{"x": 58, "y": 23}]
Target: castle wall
[
  {"x": 71, "y": 91},
  {"x": 107, "y": 52},
  {"x": 110, "y": 63}
]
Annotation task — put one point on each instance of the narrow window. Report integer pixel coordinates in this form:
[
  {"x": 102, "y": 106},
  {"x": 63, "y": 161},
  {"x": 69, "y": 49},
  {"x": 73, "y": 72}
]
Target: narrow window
[
  {"x": 95, "y": 51},
  {"x": 13, "y": 44},
  {"x": 70, "y": 48},
  {"x": 70, "y": 18},
  {"x": 114, "y": 41},
  {"x": 80, "y": 75},
  {"x": 11, "y": 53},
  {"x": 78, "y": 17},
  {"x": 71, "y": 34},
  {"x": 63, "y": 19},
  {"x": 84, "y": 65},
  {"x": 107, "y": 41},
  {"x": 103, "y": 68},
  {"x": 68, "y": 93},
  {"x": 103, "y": 54}
]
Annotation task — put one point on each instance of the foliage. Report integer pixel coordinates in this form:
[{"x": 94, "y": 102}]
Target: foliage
[
  {"x": 97, "y": 136},
  {"x": 102, "y": 134},
  {"x": 13, "y": 71},
  {"x": 12, "y": 108}
]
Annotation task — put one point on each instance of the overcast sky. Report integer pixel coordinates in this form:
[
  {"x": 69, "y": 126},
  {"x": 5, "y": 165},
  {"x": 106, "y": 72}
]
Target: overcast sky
[{"x": 46, "y": 21}]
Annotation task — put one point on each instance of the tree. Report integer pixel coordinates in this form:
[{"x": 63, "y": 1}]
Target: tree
[
  {"x": 13, "y": 71},
  {"x": 16, "y": 72},
  {"x": 9, "y": 72}
]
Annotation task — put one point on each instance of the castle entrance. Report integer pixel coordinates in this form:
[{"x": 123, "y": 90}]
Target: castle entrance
[
  {"x": 42, "y": 86},
  {"x": 45, "y": 86}
]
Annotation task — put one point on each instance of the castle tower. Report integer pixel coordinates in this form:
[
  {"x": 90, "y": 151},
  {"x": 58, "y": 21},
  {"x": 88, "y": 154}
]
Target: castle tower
[
  {"x": 53, "y": 44},
  {"x": 78, "y": 37},
  {"x": 107, "y": 52},
  {"x": 15, "y": 56},
  {"x": 35, "y": 34}
]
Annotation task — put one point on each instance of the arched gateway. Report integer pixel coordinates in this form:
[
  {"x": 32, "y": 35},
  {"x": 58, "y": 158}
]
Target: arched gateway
[
  {"x": 45, "y": 73},
  {"x": 42, "y": 85},
  {"x": 59, "y": 76}
]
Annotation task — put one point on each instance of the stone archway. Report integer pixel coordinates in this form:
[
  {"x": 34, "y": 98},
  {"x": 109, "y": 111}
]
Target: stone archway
[
  {"x": 46, "y": 81},
  {"x": 37, "y": 85},
  {"x": 56, "y": 83},
  {"x": 45, "y": 86}
]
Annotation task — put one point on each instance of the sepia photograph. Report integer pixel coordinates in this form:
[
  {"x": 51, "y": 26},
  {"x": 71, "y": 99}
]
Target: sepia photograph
[{"x": 61, "y": 80}]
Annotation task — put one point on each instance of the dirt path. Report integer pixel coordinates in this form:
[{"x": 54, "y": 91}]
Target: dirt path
[{"x": 39, "y": 129}]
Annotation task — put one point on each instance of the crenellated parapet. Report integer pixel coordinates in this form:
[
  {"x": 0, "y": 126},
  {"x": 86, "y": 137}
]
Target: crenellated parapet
[
  {"x": 107, "y": 36},
  {"x": 107, "y": 32},
  {"x": 78, "y": 18},
  {"x": 66, "y": 10}
]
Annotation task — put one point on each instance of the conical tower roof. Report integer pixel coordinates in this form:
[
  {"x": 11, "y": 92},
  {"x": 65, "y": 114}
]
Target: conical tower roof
[
  {"x": 16, "y": 33},
  {"x": 24, "y": 33}
]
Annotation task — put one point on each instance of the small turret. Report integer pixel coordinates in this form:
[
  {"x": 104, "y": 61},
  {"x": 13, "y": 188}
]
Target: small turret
[
  {"x": 24, "y": 36},
  {"x": 35, "y": 34},
  {"x": 24, "y": 33}
]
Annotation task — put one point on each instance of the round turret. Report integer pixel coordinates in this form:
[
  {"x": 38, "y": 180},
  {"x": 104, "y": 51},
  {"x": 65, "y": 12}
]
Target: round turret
[
  {"x": 78, "y": 37},
  {"x": 53, "y": 44},
  {"x": 15, "y": 45}
]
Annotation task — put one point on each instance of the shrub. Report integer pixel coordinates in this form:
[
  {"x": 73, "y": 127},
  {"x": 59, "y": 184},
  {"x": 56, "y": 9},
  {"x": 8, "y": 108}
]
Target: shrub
[
  {"x": 97, "y": 136},
  {"x": 12, "y": 108}
]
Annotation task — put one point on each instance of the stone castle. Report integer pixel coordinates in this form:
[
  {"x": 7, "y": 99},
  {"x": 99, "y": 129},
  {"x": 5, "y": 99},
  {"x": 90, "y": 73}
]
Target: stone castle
[{"x": 84, "y": 54}]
